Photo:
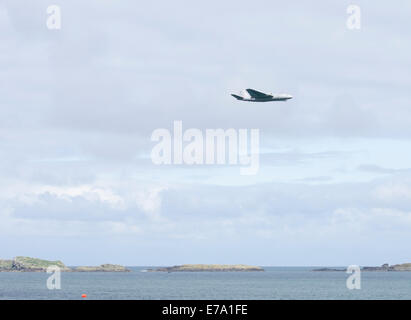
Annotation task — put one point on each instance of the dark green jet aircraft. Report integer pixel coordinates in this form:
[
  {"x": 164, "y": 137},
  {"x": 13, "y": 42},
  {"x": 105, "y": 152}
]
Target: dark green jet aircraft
[{"x": 257, "y": 96}]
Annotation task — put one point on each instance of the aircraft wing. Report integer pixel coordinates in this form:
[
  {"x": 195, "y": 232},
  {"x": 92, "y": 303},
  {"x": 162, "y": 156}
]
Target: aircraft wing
[{"x": 257, "y": 94}]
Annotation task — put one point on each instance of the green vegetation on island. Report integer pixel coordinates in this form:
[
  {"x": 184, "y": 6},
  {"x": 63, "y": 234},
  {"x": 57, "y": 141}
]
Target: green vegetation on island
[
  {"x": 27, "y": 264},
  {"x": 6, "y": 265},
  {"x": 208, "y": 267}
]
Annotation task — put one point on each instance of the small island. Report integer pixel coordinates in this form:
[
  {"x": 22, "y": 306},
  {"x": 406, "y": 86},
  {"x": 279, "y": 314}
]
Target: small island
[
  {"x": 384, "y": 267},
  {"x": 27, "y": 264},
  {"x": 208, "y": 268},
  {"x": 102, "y": 268}
]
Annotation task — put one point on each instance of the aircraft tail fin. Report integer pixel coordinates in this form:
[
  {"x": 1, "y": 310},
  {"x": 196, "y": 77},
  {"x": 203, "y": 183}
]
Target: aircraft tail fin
[{"x": 237, "y": 97}]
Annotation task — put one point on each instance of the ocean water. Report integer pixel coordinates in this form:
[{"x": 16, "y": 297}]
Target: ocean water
[{"x": 274, "y": 283}]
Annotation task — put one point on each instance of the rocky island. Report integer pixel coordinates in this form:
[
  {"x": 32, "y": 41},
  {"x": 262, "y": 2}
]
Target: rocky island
[
  {"x": 387, "y": 267},
  {"x": 384, "y": 267},
  {"x": 208, "y": 268},
  {"x": 102, "y": 268},
  {"x": 27, "y": 264}
]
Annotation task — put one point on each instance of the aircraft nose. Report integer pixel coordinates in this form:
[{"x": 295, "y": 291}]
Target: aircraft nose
[{"x": 289, "y": 96}]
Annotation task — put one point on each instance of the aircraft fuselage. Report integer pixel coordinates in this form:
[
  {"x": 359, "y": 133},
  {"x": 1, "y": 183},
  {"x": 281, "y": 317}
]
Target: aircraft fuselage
[
  {"x": 252, "y": 95},
  {"x": 266, "y": 100}
]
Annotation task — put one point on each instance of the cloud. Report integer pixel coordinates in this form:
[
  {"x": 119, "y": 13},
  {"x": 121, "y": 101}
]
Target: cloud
[
  {"x": 378, "y": 169},
  {"x": 96, "y": 77},
  {"x": 297, "y": 215},
  {"x": 79, "y": 106}
]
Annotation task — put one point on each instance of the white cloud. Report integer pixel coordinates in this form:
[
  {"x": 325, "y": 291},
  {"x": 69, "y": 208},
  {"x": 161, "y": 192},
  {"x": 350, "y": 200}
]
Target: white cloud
[
  {"x": 79, "y": 105},
  {"x": 394, "y": 191}
]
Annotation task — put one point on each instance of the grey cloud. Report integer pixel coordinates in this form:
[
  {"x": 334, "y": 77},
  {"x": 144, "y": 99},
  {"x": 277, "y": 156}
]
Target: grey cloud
[
  {"x": 114, "y": 70},
  {"x": 290, "y": 158},
  {"x": 78, "y": 107},
  {"x": 377, "y": 169},
  {"x": 317, "y": 179}
]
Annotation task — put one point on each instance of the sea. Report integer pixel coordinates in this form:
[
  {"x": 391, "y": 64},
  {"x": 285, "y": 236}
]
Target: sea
[{"x": 274, "y": 283}]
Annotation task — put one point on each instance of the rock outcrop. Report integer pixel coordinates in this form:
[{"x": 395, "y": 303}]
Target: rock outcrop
[
  {"x": 27, "y": 264},
  {"x": 402, "y": 267},
  {"x": 387, "y": 267},
  {"x": 329, "y": 269},
  {"x": 102, "y": 268},
  {"x": 6, "y": 265},
  {"x": 208, "y": 267},
  {"x": 384, "y": 267}
]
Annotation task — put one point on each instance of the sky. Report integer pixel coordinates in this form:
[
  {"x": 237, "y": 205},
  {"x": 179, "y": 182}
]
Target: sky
[{"x": 78, "y": 106}]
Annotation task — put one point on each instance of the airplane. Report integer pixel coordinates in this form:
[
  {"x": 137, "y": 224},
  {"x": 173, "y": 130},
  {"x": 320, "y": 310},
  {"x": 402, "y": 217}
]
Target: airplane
[{"x": 257, "y": 96}]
